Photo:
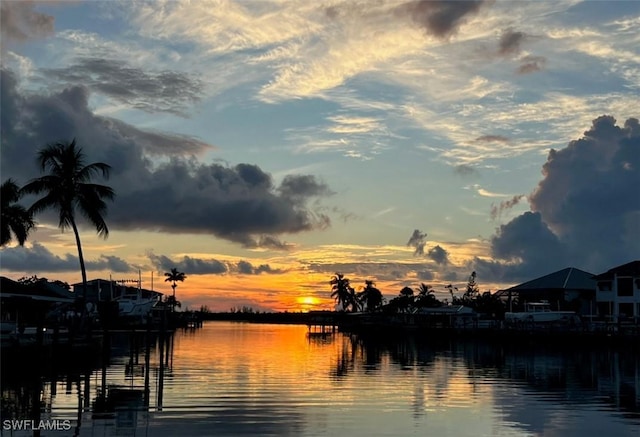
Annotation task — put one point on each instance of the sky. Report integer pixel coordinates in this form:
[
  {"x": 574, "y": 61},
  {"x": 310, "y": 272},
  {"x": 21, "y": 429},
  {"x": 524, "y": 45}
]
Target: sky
[{"x": 262, "y": 146}]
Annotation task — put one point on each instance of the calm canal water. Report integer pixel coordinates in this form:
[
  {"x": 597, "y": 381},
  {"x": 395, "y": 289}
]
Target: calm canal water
[{"x": 257, "y": 379}]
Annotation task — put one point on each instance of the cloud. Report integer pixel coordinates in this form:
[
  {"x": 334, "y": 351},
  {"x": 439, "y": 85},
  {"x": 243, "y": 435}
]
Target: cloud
[
  {"x": 239, "y": 203},
  {"x": 425, "y": 275},
  {"x": 200, "y": 266},
  {"x": 497, "y": 210},
  {"x": 298, "y": 186},
  {"x": 38, "y": 258},
  {"x": 246, "y": 268},
  {"x": 163, "y": 91},
  {"x": 188, "y": 265},
  {"x": 268, "y": 242},
  {"x": 510, "y": 41},
  {"x": 529, "y": 240},
  {"x": 440, "y": 18},
  {"x": 584, "y": 212},
  {"x": 493, "y": 139},
  {"x": 465, "y": 170},
  {"x": 159, "y": 143},
  {"x": 359, "y": 271},
  {"x": 20, "y": 22},
  {"x": 439, "y": 255},
  {"x": 417, "y": 240},
  {"x": 487, "y": 193},
  {"x": 531, "y": 64},
  {"x": 510, "y": 45}
]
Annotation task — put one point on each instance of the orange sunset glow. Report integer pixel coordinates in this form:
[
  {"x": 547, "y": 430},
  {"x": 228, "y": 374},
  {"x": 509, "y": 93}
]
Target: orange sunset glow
[{"x": 403, "y": 144}]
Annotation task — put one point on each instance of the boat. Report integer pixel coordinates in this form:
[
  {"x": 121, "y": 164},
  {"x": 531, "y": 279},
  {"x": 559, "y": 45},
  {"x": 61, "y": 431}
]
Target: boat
[
  {"x": 541, "y": 312},
  {"x": 134, "y": 305}
]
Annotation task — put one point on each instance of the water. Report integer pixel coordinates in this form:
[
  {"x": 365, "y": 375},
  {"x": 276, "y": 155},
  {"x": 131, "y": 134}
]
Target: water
[{"x": 257, "y": 379}]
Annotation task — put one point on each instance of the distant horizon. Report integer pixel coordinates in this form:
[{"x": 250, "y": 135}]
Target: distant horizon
[
  {"x": 321, "y": 304},
  {"x": 262, "y": 147}
]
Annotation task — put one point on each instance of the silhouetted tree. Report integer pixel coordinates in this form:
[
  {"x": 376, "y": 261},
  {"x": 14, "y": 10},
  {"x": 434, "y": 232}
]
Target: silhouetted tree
[
  {"x": 403, "y": 302},
  {"x": 68, "y": 189},
  {"x": 174, "y": 276},
  {"x": 370, "y": 297},
  {"x": 343, "y": 293},
  {"x": 426, "y": 297},
  {"x": 15, "y": 219}
]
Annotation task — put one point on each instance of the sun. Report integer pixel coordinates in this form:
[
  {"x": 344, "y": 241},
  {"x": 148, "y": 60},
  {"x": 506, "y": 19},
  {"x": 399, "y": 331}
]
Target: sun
[{"x": 308, "y": 300}]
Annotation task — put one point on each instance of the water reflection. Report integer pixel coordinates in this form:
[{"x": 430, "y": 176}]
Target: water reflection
[
  {"x": 547, "y": 379},
  {"x": 249, "y": 379}
]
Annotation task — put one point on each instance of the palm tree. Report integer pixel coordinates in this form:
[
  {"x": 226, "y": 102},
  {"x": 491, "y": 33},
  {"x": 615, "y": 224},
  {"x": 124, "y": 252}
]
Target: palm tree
[
  {"x": 15, "y": 217},
  {"x": 174, "y": 276},
  {"x": 68, "y": 189},
  {"x": 426, "y": 297},
  {"x": 343, "y": 293},
  {"x": 370, "y": 297}
]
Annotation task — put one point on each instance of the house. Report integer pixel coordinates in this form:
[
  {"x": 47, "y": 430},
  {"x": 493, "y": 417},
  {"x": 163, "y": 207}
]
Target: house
[
  {"x": 99, "y": 290},
  {"x": 28, "y": 302},
  {"x": 567, "y": 289},
  {"x": 618, "y": 292}
]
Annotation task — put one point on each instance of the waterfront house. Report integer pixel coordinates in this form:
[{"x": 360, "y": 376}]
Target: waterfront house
[
  {"x": 618, "y": 292},
  {"x": 26, "y": 302},
  {"x": 567, "y": 289},
  {"x": 29, "y": 307},
  {"x": 106, "y": 290},
  {"x": 118, "y": 300}
]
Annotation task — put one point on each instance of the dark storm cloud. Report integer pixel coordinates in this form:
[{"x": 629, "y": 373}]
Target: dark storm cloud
[
  {"x": 270, "y": 242},
  {"x": 267, "y": 242},
  {"x": 234, "y": 203},
  {"x": 585, "y": 211},
  {"x": 199, "y": 266},
  {"x": 239, "y": 203},
  {"x": 161, "y": 143},
  {"x": 246, "y": 268},
  {"x": 531, "y": 64},
  {"x": 440, "y": 18},
  {"x": 163, "y": 91},
  {"x": 497, "y": 210},
  {"x": 439, "y": 255},
  {"x": 417, "y": 240},
  {"x": 188, "y": 265},
  {"x": 38, "y": 258},
  {"x": 301, "y": 186},
  {"x": 19, "y": 21},
  {"x": 529, "y": 240},
  {"x": 510, "y": 41},
  {"x": 589, "y": 195}
]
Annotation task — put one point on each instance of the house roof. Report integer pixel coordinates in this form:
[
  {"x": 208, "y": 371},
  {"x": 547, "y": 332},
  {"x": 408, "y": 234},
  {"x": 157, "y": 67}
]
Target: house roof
[
  {"x": 629, "y": 269},
  {"x": 39, "y": 291},
  {"x": 565, "y": 279},
  {"x": 116, "y": 283}
]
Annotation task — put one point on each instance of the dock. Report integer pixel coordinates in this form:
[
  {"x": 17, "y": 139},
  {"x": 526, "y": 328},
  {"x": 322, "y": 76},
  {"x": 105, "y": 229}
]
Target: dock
[{"x": 321, "y": 324}]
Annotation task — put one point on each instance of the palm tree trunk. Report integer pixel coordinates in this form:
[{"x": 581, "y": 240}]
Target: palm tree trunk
[{"x": 80, "y": 258}]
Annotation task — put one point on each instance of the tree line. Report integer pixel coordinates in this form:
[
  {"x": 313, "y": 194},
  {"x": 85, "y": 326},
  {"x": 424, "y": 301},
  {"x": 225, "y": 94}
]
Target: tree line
[{"x": 370, "y": 298}]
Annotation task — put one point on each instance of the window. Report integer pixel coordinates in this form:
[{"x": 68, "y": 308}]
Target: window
[
  {"x": 625, "y": 287},
  {"x": 604, "y": 285}
]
